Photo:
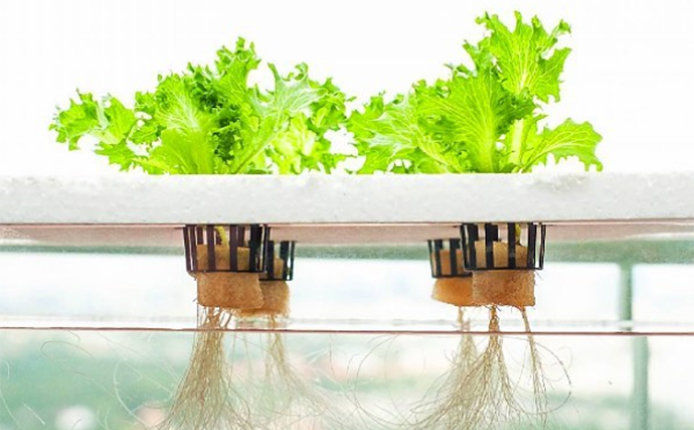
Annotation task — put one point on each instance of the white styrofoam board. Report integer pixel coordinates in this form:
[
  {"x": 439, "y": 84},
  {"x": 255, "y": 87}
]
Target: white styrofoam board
[
  {"x": 125, "y": 210},
  {"x": 311, "y": 199}
]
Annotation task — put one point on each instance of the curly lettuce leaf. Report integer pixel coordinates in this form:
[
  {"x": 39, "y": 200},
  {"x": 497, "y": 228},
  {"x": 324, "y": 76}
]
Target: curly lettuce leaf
[
  {"x": 182, "y": 153},
  {"x": 474, "y": 112},
  {"x": 526, "y": 58},
  {"x": 184, "y": 129},
  {"x": 107, "y": 120},
  {"x": 569, "y": 139},
  {"x": 209, "y": 120},
  {"x": 271, "y": 123},
  {"x": 482, "y": 119},
  {"x": 391, "y": 138},
  {"x": 297, "y": 148},
  {"x": 528, "y": 64},
  {"x": 261, "y": 126},
  {"x": 233, "y": 69},
  {"x": 174, "y": 107}
]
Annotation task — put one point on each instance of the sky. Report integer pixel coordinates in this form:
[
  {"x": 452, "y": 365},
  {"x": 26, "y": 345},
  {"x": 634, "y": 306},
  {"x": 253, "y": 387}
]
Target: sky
[{"x": 629, "y": 73}]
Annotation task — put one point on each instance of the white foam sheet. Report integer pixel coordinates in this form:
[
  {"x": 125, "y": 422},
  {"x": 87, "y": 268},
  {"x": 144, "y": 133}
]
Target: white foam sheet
[
  {"x": 311, "y": 199},
  {"x": 136, "y": 210}
]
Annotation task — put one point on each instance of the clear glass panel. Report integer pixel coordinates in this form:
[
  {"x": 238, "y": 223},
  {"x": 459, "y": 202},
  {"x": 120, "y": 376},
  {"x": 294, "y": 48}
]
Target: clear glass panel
[
  {"x": 99, "y": 334},
  {"x": 124, "y": 380}
]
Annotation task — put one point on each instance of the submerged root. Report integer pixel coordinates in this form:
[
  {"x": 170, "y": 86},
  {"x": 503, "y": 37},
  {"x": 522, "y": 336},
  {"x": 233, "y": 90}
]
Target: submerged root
[
  {"x": 206, "y": 398},
  {"x": 479, "y": 392},
  {"x": 282, "y": 399},
  {"x": 486, "y": 398},
  {"x": 451, "y": 400},
  {"x": 540, "y": 403}
]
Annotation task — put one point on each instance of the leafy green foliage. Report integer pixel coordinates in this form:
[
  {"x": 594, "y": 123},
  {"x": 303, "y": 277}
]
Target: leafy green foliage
[
  {"x": 390, "y": 137},
  {"x": 485, "y": 117},
  {"x": 477, "y": 111},
  {"x": 482, "y": 118},
  {"x": 566, "y": 140},
  {"x": 525, "y": 59},
  {"x": 107, "y": 120},
  {"x": 210, "y": 120}
]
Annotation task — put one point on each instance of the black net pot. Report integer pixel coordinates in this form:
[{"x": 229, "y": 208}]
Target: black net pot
[
  {"x": 280, "y": 261},
  {"x": 446, "y": 258},
  {"x": 226, "y": 247},
  {"x": 503, "y": 246}
]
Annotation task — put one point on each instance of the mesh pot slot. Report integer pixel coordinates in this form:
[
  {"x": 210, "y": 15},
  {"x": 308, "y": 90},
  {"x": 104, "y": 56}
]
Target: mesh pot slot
[
  {"x": 242, "y": 249},
  {"x": 280, "y": 261},
  {"x": 446, "y": 258},
  {"x": 503, "y": 246}
]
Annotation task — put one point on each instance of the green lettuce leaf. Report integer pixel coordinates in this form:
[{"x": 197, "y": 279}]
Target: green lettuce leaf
[
  {"x": 270, "y": 123},
  {"x": 525, "y": 58},
  {"x": 183, "y": 128},
  {"x": 483, "y": 118},
  {"x": 108, "y": 121},
  {"x": 209, "y": 120},
  {"x": 391, "y": 138},
  {"x": 182, "y": 153},
  {"x": 569, "y": 139},
  {"x": 528, "y": 64},
  {"x": 473, "y": 112}
]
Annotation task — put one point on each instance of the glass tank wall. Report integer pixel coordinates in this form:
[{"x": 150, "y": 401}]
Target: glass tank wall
[
  {"x": 110, "y": 332},
  {"x": 124, "y": 379}
]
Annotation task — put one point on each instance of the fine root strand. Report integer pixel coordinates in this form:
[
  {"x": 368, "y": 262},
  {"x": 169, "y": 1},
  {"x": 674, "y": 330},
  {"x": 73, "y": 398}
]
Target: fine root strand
[
  {"x": 450, "y": 403},
  {"x": 478, "y": 391},
  {"x": 282, "y": 398},
  {"x": 206, "y": 397}
]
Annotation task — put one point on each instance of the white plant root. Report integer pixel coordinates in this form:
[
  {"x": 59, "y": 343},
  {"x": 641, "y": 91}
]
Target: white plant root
[
  {"x": 206, "y": 397},
  {"x": 478, "y": 392}
]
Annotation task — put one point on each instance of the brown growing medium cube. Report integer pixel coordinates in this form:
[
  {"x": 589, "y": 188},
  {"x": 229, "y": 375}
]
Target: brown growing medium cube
[
  {"x": 275, "y": 301},
  {"x": 454, "y": 291},
  {"x": 230, "y": 290},
  {"x": 453, "y": 283},
  {"x": 503, "y": 258},
  {"x": 504, "y": 288}
]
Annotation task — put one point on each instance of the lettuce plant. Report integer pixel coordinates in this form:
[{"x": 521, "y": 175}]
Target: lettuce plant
[
  {"x": 483, "y": 118},
  {"x": 210, "y": 120},
  {"x": 487, "y": 116}
]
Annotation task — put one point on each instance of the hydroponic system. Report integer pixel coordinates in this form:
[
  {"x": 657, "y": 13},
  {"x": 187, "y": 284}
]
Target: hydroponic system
[{"x": 238, "y": 179}]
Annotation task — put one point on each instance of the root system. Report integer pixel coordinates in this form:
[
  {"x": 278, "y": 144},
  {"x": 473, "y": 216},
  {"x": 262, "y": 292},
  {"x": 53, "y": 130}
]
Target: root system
[
  {"x": 478, "y": 391},
  {"x": 206, "y": 397}
]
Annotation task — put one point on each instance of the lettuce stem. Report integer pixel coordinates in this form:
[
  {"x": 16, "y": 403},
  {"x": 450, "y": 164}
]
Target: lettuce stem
[
  {"x": 516, "y": 131},
  {"x": 222, "y": 235}
]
